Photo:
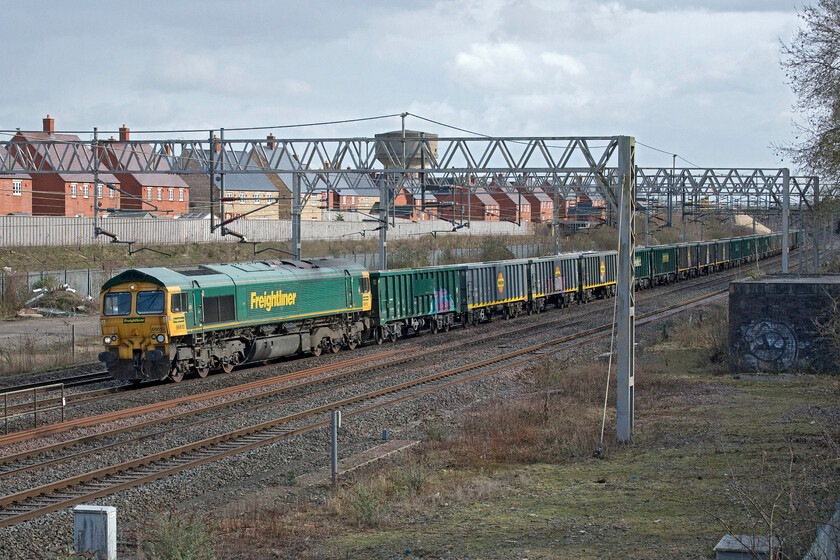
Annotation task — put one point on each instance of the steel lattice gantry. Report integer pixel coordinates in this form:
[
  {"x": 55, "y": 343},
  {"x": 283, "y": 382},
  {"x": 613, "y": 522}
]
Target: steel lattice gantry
[{"x": 598, "y": 167}]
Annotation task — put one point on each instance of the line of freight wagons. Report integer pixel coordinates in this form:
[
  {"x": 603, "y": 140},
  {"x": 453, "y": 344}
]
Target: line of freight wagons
[
  {"x": 439, "y": 297},
  {"x": 160, "y": 323}
]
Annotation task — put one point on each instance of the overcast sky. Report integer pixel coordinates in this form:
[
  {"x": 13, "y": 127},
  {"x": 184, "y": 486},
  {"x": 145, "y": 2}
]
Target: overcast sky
[{"x": 699, "y": 78}]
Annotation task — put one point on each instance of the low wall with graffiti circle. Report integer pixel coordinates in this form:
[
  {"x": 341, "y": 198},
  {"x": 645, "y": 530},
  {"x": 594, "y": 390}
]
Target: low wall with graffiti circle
[{"x": 783, "y": 323}]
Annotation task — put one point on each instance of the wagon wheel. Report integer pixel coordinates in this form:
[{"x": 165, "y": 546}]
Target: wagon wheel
[
  {"x": 227, "y": 367},
  {"x": 434, "y": 326},
  {"x": 335, "y": 346},
  {"x": 393, "y": 336},
  {"x": 377, "y": 336},
  {"x": 176, "y": 375},
  {"x": 446, "y": 327},
  {"x": 202, "y": 371},
  {"x": 316, "y": 351}
]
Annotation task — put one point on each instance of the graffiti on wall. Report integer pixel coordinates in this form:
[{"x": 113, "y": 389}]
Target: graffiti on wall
[{"x": 769, "y": 344}]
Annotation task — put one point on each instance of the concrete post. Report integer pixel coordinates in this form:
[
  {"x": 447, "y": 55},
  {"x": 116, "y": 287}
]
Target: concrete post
[
  {"x": 626, "y": 311},
  {"x": 95, "y": 531},
  {"x": 335, "y": 424}
]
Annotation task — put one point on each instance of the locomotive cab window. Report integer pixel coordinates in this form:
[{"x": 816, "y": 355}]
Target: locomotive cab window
[
  {"x": 116, "y": 303},
  {"x": 150, "y": 302},
  {"x": 364, "y": 284},
  {"x": 178, "y": 303}
]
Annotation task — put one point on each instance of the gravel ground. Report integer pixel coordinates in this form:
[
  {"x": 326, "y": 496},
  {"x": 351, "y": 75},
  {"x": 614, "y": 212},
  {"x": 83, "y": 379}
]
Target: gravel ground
[{"x": 245, "y": 475}]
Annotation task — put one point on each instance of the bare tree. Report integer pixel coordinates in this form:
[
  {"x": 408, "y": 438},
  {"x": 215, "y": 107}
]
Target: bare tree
[{"x": 812, "y": 66}]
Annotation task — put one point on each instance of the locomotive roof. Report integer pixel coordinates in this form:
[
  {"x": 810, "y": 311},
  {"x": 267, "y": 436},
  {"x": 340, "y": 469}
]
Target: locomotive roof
[{"x": 222, "y": 273}]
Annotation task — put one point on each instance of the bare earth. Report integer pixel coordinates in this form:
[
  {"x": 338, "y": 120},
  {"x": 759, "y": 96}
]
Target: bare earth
[{"x": 11, "y": 330}]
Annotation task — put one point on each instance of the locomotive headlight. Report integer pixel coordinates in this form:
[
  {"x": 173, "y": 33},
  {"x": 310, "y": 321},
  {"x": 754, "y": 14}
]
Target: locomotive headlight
[
  {"x": 110, "y": 340},
  {"x": 159, "y": 338}
]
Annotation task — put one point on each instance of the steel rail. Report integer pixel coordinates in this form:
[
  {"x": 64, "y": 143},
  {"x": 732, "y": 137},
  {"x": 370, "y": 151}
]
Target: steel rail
[{"x": 177, "y": 459}]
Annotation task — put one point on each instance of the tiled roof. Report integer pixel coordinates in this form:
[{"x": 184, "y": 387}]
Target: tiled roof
[
  {"x": 3, "y": 154},
  {"x": 58, "y": 151}
]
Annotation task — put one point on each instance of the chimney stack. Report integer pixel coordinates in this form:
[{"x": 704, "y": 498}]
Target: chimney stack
[
  {"x": 123, "y": 133},
  {"x": 218, "y": 144},
  {"x": 49, "y": 125},
  {"x": 168, "y": 148},
  {"x": 271, "y": 140}
]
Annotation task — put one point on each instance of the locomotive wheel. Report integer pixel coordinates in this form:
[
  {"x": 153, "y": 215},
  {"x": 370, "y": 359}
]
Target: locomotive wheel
[
  {"x": 176, "y": 375},
  {"x": 352, "y": 343},
  {"x": 335, "y": 346},
  {"x": 317, "y": 350},
  {"x": 202, "y": 371},
  {"x": 227, "y": 367}
]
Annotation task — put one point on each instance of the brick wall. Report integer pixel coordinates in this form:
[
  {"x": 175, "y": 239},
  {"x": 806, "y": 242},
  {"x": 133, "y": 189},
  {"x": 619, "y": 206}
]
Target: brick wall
[{"x": 772, "y": 323}]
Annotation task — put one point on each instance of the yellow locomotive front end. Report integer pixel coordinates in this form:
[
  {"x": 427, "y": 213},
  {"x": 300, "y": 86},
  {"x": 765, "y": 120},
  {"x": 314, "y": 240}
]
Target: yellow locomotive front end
[{"x": 136, "y": 323}]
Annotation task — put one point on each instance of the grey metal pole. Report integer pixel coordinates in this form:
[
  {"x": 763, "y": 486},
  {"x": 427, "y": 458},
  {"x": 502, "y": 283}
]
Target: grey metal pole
[
  {"x": 222, "y": 175},
  {"x": 95, "y": 182},
  {"x": 801, "y": 249},
  {"x": 334, "y": 419},
  {"x": 816, "y": 222},
  {"x": 785, "y": 220},
  {"x": 296, "y": 223},
  {"x": 626, "y": 311},
  {"x": 383, "y": 223},
  {"x": 212, "y": 159},
  {"x": 555, "y": 221},
  {"x": 647, "y": 220}
]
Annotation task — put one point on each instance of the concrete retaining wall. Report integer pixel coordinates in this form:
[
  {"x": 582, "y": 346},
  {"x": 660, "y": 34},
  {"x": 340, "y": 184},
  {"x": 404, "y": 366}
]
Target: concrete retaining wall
[{"x": 35, "y": 231}]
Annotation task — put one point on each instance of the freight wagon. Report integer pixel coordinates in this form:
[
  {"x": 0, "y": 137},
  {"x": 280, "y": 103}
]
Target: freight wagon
[
  {"x": 408, "y": 300},
  {"x": 554, "y": 280},
  {"x": 494, "y": 288}
]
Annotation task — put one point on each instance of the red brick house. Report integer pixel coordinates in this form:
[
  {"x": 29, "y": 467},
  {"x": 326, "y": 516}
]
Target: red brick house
[
  {"x": 542, "y": 207},
  {"x": 68, "y": 193},
  {"x": 513, "y": 206},
  {"x": 15, "y": 191},
  {"x": 466, "y": 205},
  {"x": 159, "y": 193}
]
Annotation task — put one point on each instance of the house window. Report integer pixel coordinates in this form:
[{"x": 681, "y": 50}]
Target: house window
[
  {"x": 256, "y": 198},
  {"x": 160, "y": 193},
  {"x": 181, "y": 195},
  {"x": 110, "y": 193},
  {"x": 99, "y": 190},
  {"x": 242, "y": 197},
  {"x": 73, "y": 190},
  {"x": 171, "y": 194},
  {"x": 85, "y": 190},
  {"x": 17, "y": 188},
  {"x": 148, "y": 193}
]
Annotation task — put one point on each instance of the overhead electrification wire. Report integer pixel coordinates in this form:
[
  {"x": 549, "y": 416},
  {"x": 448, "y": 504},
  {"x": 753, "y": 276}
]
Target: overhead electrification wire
[
  {"x": 672, "y": 154},
  {"x": 236, "y": 129}
]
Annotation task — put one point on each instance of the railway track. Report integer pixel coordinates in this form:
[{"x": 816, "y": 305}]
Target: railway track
[
  {"x": 86, "y": 397},
  {"x": 44, "y": 499}
]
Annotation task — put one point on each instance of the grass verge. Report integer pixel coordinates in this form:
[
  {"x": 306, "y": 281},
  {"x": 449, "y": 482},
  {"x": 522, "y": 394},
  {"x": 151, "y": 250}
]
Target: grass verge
[{"x": 516, "y": 477}]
